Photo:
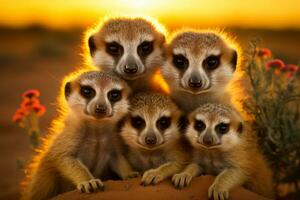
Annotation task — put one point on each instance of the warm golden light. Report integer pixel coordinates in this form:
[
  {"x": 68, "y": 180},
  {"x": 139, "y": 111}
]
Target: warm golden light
[
  {"x": 159, "y": 83},
  {"x": 68, "y": 13}
]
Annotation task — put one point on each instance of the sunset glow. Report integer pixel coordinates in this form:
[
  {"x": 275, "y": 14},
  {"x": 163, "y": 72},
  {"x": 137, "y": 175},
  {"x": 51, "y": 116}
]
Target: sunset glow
[
  {"x": 159, "y": 83},
  {"x": 69, "y": 13}
]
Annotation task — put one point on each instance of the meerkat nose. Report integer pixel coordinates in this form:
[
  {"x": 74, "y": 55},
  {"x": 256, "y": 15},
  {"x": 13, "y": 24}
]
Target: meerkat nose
[
  {"x": 195, "y": 82},
  {"x": 208, "y": 139},
  {"x": 130, "y": 69},
  {"x": 151, "y": 139},
  {"x": 100, "y": 109}
]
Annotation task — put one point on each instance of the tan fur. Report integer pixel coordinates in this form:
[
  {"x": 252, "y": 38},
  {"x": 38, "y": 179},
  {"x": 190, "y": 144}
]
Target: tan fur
[
  {"x": 80, "y": 148},
  {"x": 129, "y": 33},
  {"x": 196, "y": 46},
  {"x": 165, "y": 158},
  {"x": 236, "y": 160}
]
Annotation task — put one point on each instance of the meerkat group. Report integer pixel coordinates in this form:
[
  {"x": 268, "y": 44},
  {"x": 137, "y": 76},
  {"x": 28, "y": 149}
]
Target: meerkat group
[{"x": 114, "y": 122}]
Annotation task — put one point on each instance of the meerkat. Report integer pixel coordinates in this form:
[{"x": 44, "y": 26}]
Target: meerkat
[
  {"x": 224, "y": 146},
  {"x": 133, "y": 48},
  {"x": 198, "y": 67},
  {"x": 87, "y": 145},
  {"x": 151, "y": 131}
]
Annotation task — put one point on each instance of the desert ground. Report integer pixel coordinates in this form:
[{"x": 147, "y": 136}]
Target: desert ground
[{"x": 38, "y": 58}]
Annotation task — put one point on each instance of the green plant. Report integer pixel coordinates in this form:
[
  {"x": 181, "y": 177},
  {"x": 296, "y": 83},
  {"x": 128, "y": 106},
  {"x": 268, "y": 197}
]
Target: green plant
[
  {"x": 274, "y": 104},
  {"x": 27, "y": 117}
]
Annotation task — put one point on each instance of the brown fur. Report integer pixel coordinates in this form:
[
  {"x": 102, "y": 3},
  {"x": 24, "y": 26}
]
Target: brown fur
[
  {"x": 128, "y": 33},
  {"x": 197, "y": 45},
  {"x": 236, "y": 161},
  {"x": 80, "y": 148},
  {"x": 167, "y": 158}
]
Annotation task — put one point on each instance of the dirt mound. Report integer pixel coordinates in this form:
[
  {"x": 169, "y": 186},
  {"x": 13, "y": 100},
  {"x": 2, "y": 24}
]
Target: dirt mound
[{"x": 131, "y": 189}]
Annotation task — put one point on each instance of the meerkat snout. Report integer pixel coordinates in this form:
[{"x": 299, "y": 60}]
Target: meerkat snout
[
  {"x": 150, "y": 139},
  {"x": 214, "y": 126},
  {"x": 131, "y": 47},
  {"x": 100, "y": 109},
  {"x": 152, "y": 122},
  {"x": 195, "y": 81},
  {"x": 99, "y": 95},
  {"x": 208, "y": 139},
  {"x": 199, "y": 62},
  {"x": 130, "y": 66}
]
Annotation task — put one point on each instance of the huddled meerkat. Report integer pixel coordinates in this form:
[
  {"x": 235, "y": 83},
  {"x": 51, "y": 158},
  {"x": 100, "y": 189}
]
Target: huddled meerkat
[
  {"x": 87, "y": 145},
  {"x": 133, "y": 48},
  {"x": 224, "y": 146},
  {"x": 198, "y": 67},
  {"x": 151, "y": 132}
]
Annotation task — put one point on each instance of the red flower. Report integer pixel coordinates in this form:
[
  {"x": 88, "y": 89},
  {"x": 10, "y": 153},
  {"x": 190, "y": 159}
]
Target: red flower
[
  {"x": 31, "y": 94},
  {"x": 275, "y": 64},
  {"x": 264, "y": 52},
  {"x": 39, "y": 109},
  {"x": 17, "y": 118},
  {"x": 28, "y": 103},
  {"x": 292, "y": 68},
  {"x": 23, "y": 112},
  {"x": 289, "y": 75}
]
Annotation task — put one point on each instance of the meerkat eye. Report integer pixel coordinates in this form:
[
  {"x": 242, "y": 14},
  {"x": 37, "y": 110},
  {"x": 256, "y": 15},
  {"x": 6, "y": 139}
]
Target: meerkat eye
[
  {"x": 145, "y": 48},
  {"x": 222, "y": 128},
  {"x": 180, "y": 62},
  {"x": 163, "y": 123},
  {"x": 137, "y": 122},
  {"x": 114, "y": 49},
  {"x": 199, "y": 125},
  {"x": 211, "y": 62},
  {"x": 87, "y": 92},
  {"x": 114, "y": 95}
]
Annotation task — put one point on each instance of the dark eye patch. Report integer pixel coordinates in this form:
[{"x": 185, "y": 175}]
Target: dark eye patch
[
  {"x": 114, "y": 49},
  {"x": 212, "y": 62},
  {"x": 222, "y": 128},
  {"x": 199, "y": 125},
  {"x": 180, "y": 62},
  {"x": 87, "y": 91},
  {"x": 163, "y": 123},
  {"x": 114, "y": 95},
  {"x": 145, "y": 48},
  {"x": 137, "y": 122}
]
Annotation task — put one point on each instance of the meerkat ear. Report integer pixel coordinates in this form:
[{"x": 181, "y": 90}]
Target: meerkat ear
[
  {"x": 162, "y": 40},
  {"x": 233, "y": 60},
  {"x": 68, "y": 90},
  {"x": 92, "y": 45},
  {"x": 240, "y": 128}
]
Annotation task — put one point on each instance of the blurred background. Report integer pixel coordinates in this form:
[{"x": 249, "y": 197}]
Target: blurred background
[{"x": 41, "y": 41}]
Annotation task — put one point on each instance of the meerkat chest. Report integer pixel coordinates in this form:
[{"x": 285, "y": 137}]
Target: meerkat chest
[
  {"x": 95, "y": 152},
  {"x": 143, "y": 162},
  {"x": 212, "y": 163}
]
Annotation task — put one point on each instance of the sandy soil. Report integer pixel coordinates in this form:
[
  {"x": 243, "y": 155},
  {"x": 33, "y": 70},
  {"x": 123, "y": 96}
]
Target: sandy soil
[{"x": 114, "y": 190}]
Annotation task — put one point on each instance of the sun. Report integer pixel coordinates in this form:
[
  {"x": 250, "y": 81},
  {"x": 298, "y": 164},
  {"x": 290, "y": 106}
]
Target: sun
[{"x": 139, "y": 4}]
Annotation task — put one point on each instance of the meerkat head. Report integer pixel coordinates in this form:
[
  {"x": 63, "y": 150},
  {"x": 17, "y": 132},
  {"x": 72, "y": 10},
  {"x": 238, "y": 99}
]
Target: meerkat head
[
  {"x": 97, "y": 95},
  {"x": 214, "y": 126},
  {"x": 131, "y": 47},
  {"x": 199, "y": 62},
  {"x": 152, "y": 122}
]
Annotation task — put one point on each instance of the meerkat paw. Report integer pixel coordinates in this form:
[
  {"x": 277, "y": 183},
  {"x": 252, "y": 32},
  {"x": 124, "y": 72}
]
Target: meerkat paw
[
  {"x": 216, "y": 192},
  {"x": 90, "y": 186},
  {"x": 181, "y": 180},
  {"x": 152, "y": 176},
  {"x": 131, "y": 175}
]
